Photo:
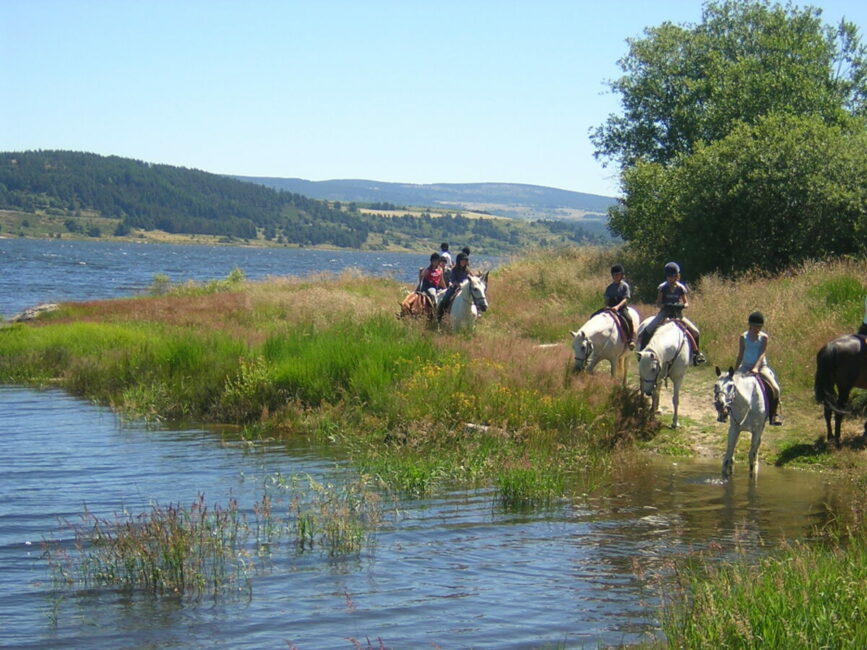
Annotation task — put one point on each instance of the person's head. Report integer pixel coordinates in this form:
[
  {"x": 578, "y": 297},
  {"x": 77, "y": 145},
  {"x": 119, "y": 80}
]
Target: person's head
[
  {"x": 434, "y": 259},
  {"x": 444, "y": 247},
  {"x": 462, "y": 259},
  {"x": 617, "y": 272},
  {"x": 672, "y": 271},
  {"x": 466, "y": 250},
  {"x": 756, "y": 320}
]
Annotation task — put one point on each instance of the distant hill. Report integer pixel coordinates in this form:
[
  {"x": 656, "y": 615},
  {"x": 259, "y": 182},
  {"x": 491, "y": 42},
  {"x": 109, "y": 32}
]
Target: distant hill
[
  {"x": 503, "y": 199},
  {"x": 66, "y": 193}
]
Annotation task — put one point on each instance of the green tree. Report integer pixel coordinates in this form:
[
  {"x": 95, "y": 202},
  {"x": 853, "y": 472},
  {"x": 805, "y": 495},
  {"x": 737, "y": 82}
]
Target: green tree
[
  {"x": 742, "y": 139},
  {"x": 683, "y": 85},
  {"x": 768, "y": 195}
]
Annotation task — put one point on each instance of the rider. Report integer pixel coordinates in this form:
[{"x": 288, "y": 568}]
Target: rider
[
  {"x": 617, "y": 295},
  {"x": 432, "y": 277},
  {"x": 752, "y": 358},
  {"x": 447, "y": 258},
  {"x": 671, "y": 298},
  {"x": 460, "y": 272}
]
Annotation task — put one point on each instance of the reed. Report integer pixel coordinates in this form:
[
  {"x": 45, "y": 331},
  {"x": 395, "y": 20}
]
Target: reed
[
  {"x": 199, "y": 550},
  {"x": 801, "y": 596},
  {"x": 169, "y": 550}
]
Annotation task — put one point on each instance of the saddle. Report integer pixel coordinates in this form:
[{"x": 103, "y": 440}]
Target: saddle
[
  {"x": 693, "y": 346},
  {"x": 416, "y": 304}
]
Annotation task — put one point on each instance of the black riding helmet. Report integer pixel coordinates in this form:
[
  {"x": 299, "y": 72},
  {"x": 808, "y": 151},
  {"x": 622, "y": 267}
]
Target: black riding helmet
[
  {"x": 617, "y": 268},
  {"x": 756, "y": 318}
]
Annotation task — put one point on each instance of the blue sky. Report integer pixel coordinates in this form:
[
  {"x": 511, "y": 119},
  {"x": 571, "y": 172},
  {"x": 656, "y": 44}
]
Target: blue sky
[{"x": 403, "y": 91}]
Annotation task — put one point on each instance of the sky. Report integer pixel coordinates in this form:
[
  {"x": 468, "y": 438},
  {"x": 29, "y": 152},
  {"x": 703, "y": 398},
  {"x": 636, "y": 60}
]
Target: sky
[{"x": 440, "y": 91}]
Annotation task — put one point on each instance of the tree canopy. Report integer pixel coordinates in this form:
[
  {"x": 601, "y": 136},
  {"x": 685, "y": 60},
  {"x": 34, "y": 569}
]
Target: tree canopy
[{"x": 741, "y": 139}]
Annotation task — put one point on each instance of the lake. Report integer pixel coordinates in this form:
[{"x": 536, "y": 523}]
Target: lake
[{"x": 453, "y": 571}]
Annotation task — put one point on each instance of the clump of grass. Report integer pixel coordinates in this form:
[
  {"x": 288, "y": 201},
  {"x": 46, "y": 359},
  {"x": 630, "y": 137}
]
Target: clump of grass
[
  {"x": 522, "y": 484},
  {"x": 162, "y": 285},
  {"x": 197, "y": 550},
  {"x": 802, "y": 596},
  {"x": 168, "y": 550}
]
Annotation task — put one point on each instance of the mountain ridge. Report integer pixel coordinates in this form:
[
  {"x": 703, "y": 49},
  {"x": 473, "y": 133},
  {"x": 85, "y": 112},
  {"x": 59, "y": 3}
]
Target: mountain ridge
[{"x": 542, "y": 200}]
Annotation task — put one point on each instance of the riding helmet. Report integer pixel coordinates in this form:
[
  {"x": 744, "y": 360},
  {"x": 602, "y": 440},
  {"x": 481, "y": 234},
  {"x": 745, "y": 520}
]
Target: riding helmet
[
  {"x": 672, "y": 268},
  {"x": 461, "y": 256},
  {"x": 756, "y": 318},
  {"x": 617, "y": 268}
]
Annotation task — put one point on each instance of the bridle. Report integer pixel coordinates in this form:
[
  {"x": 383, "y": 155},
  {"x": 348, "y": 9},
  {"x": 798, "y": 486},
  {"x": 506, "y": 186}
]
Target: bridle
[
  {"x": 587, "y": 350},
  {"x": 478, "y": 296},
  {"x": 722, "y": 397},
  {"x": 657, "y": 369}
]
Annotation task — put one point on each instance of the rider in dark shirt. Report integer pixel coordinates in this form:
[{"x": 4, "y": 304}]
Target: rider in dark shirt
[{"x": 460, "y": 272}]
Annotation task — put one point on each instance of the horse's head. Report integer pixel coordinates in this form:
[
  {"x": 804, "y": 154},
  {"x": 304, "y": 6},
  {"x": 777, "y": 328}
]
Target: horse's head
[
  {"x": 649, "y": 368},
  {"x": 723, "y": 394},
  {"x": 477, "y": 292},
  {"x": 583, "y": 348}
]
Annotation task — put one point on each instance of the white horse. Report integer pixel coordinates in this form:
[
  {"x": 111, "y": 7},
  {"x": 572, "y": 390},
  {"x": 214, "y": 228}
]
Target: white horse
[
  {"x": 666, "y": 356},
  {"x": 740, "y": 396},
  {"x": 469, "y": 300},
  {"x": 600, "y": 339}
]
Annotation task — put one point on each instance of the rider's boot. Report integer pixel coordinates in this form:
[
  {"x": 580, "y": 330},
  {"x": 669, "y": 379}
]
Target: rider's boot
[
  {"x": 698, "y": 358},
  {"x": 773, "y": 419}
]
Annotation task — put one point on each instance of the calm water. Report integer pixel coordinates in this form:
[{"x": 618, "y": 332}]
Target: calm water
[
  {"x": 454, "y": 570},
  {"x": 35, "y": 271}
]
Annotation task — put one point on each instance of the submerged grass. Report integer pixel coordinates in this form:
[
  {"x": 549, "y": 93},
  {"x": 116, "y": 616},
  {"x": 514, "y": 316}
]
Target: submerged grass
[{"x": 199, "y": 550}]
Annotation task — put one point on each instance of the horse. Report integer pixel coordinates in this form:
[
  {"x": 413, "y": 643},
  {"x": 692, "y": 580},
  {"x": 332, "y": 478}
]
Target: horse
[
  {"x": 601, "y": 338},
  {"x": 666, "y": 355},
  {"x": 417, "y": 304},
  {"x": 469, "y": 300},
  {"x": 740, "y": 396},
  {"x": 841, "y": 365}
]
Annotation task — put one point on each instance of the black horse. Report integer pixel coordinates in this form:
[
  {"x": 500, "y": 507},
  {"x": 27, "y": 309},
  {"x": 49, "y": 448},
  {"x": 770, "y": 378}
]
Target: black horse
[{"x": 841, "y": 365}]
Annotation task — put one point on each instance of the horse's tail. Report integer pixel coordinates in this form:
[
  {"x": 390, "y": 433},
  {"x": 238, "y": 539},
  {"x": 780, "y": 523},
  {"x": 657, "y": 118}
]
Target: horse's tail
[{"x": 823, "y": 386}]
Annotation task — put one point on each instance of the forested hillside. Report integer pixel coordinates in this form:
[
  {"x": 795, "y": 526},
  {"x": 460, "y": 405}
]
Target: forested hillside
[{"x": 142, "y": 196}]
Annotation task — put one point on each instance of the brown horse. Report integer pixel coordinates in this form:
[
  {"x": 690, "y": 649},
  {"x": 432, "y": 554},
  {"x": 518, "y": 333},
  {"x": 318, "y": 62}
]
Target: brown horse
[
  {"x": 841, "y": 365},
  {"x": 417, "y": 304}
]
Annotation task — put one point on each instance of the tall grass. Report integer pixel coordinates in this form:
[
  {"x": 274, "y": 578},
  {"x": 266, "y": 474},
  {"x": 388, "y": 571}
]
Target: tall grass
[
  {"x": 800, "y": 597},
  {"x": 200, "y": 550}
]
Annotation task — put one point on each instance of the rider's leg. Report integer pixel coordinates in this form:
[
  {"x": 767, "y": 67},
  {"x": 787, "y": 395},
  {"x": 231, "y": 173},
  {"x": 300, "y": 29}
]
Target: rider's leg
[
  {"x": 647, "y": 334},
  {"x": 444, "y": 303},
  {"x": 697, "y": 358},
  {"x": 627, "y": 328},
  {"x": 771, "y": 379}
]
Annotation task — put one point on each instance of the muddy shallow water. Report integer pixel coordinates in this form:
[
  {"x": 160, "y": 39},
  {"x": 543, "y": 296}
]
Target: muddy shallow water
[{"x": 454, "y": 570}]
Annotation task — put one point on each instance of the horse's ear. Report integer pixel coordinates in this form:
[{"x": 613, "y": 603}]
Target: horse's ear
[
  {"x": 718, "y": 371},
  {"x": 731, "y": 371},
  {"x": 574, "y": 334},
  {"x": 485, "y": 278}
]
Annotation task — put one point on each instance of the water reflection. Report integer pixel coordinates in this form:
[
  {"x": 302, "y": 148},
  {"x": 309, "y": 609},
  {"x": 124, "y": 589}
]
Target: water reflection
[{"x": 455, "y": 570}]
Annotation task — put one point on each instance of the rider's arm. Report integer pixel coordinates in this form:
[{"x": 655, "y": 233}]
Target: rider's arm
[
  {"x": 762, "y": 351},
  {"x": 740, "y": 352},
  {"x": 659, "y": 299}
]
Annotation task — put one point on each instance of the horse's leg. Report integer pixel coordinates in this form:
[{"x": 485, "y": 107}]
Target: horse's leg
[
  {"x": 828, "y": 423},
  {"x": 754, "y": 448},
  {"x": 675, "y": 400},
  {"x": 621, "y": 366},
  {"x": 842, "y": 401},
  {"x": 728, "y": 459}
]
